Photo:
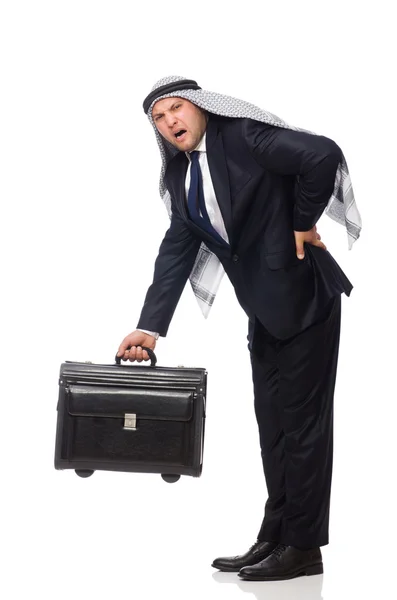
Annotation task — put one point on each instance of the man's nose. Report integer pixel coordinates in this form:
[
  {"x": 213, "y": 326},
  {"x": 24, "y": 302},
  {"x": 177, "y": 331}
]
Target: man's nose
[{"x": 170, "y": 120}]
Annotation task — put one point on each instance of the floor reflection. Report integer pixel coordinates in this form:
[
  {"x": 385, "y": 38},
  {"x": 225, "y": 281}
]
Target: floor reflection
[{"x": 300, "y": 588}]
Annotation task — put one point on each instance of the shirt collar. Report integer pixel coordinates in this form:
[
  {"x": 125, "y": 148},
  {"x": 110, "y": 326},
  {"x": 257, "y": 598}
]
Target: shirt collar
[{"x": 201, "y": 146}]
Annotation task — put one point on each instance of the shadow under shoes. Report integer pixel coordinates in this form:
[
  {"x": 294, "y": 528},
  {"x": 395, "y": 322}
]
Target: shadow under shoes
[
  {"x": 257, "y": 552},
  {"x": 285, "y": 562}
]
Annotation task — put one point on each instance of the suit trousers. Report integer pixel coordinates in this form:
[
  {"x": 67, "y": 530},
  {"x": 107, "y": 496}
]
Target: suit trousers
[{"x": 294, "y": 381}]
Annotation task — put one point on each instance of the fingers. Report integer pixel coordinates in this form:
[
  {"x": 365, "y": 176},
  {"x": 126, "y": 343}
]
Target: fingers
[
  {"x": 300, "y": 250},
  {"x": 122, "y": 349},
  {"x": 299, "y": 242},
  {"x": 317, "y": 242},
  {"x": 320, "y": 245},
  {"x": 135, "y": 353},
  {"x": 311, "y": 237},
  {"x": 131, "y": 348},
  {"x": 141, "y": 354},
  {"x": 125, "y": 355}
]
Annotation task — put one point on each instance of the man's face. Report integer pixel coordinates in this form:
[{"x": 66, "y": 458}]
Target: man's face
[{"x": 172, "y": 115}]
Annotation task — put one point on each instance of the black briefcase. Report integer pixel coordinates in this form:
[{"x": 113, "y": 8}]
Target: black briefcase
[{"x": 135, "y": 418}]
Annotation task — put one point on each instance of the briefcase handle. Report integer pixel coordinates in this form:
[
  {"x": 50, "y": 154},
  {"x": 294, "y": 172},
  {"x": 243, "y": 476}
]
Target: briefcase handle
[{"x": 152, "y": 356}]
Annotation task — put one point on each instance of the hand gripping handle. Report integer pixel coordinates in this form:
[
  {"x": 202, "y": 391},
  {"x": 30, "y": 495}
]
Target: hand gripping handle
[{"x": 152, "y": 356}]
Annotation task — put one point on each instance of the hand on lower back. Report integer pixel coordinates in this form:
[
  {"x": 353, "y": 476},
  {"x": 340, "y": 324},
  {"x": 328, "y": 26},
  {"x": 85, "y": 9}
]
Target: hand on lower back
[{"x": 311, "y": 237}]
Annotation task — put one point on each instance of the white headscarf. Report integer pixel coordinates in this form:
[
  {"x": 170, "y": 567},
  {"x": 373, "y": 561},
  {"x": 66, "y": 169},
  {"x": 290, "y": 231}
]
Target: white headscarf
[{"x": 207, "y": 271}]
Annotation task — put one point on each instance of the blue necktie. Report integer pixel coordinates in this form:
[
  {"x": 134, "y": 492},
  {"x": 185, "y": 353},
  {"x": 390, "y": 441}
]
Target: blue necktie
[{"x": 195, "y": 200}]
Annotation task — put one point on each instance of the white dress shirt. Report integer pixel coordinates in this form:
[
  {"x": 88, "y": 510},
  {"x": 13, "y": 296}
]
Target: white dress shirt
[{"x": 211, "y": 202}]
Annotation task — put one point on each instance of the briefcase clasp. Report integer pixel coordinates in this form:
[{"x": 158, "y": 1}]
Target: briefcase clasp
[{"x": 130, "y": 421}]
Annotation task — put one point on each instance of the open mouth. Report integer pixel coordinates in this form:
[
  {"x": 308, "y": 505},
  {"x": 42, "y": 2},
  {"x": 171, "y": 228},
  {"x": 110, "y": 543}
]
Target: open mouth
[{"x": 180, "y": 134}]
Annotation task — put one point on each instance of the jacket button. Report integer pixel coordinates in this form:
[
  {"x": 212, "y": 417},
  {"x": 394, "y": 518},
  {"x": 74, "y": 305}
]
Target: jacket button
[{"x": 235, "y": 258}]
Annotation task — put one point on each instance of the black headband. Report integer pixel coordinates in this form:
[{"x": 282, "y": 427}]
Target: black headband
[{"x": 183, "y": 84}]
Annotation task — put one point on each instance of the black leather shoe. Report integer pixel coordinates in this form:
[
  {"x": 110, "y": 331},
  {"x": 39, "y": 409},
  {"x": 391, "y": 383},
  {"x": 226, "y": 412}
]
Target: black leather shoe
[
  {"x": 285, "y": 562},
  {"x": 255, "y": 554}
]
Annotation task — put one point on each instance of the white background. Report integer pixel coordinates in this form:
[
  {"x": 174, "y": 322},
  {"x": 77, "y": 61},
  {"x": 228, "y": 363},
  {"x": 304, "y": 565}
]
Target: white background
[{"x": 81, "y": 224}]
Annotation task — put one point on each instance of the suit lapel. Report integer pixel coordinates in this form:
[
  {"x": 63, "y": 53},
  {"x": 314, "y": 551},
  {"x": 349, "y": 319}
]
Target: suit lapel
[{"x": 219, "y": 173}]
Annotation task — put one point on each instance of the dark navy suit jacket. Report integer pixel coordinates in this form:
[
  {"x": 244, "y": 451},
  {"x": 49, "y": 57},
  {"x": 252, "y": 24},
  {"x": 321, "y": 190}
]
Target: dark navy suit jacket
[{"x": 268, "y": 182}]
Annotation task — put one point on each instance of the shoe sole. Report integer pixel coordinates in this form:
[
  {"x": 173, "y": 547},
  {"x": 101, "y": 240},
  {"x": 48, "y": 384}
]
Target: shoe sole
[
  {"x": 227, "y": 569},
  {"x": 312, "y": 570}
]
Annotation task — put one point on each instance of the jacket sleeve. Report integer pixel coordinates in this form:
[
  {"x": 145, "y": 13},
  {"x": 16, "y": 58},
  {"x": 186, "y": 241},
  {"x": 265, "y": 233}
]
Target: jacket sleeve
[
  {"x": 175, "y": 260},
  {"x": 313, "y": 159}
]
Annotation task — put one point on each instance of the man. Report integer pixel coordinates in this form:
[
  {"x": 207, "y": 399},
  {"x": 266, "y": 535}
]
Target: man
[{"x": 245, "y": 191}]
